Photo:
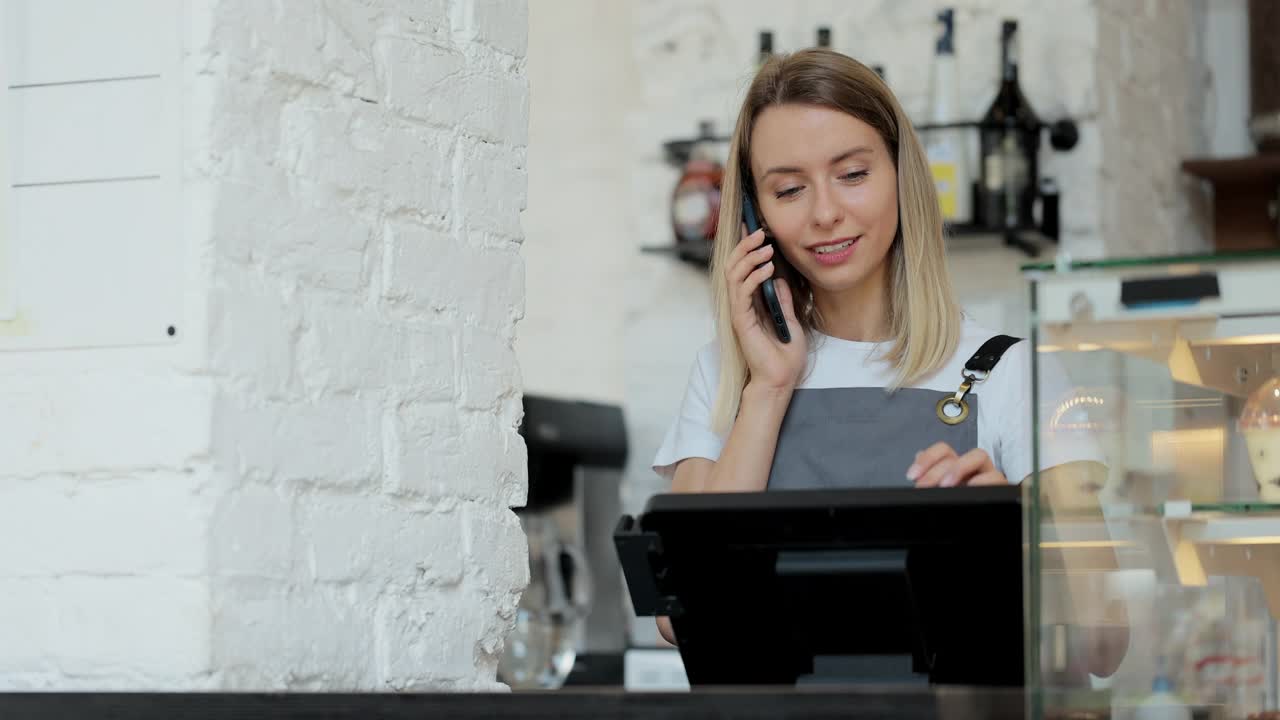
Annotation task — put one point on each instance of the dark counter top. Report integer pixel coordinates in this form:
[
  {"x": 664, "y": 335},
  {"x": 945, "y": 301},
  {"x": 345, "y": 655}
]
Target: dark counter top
[{"x": 878, "y": 703}]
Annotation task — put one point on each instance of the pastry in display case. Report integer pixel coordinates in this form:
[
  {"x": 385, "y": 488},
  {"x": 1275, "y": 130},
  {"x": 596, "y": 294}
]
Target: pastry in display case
[
  {"x": 1154, "y": 518},
  {"x": 1260, "y": 426}
]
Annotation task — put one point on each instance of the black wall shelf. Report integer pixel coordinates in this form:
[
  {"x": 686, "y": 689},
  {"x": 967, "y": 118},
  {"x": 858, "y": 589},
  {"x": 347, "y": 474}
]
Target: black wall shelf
[
  {"x": 694, "y": 252},
  {"x": 1063, "y": 136}
]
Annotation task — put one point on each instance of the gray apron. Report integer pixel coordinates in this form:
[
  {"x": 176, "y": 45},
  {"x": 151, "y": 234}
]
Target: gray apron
[{"x": 862, "y": 437}]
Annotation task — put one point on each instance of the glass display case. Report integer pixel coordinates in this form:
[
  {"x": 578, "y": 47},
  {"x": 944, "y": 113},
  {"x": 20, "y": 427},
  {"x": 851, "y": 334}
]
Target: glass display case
[{"x": 1154, "y": 520}]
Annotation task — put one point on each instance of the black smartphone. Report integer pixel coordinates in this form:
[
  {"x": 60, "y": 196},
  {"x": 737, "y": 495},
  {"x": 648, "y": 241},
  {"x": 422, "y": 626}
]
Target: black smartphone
[{"x": 767, "y": 290}]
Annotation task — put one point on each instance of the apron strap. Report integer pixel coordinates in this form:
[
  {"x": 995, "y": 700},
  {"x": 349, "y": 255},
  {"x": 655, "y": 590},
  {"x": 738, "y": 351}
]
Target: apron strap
[
  {"x": 990, "y": 353},
  {"x": 953, "y": 409}
]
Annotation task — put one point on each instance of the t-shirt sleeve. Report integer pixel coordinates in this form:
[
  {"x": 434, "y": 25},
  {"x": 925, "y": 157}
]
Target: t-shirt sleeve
[
  {"x": 1014, "y": 427},
  {"x": 690, "y": 435}
]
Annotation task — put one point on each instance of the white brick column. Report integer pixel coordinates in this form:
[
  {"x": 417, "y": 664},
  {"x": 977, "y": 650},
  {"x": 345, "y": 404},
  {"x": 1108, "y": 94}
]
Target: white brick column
[{"x": 312, "y": 489}]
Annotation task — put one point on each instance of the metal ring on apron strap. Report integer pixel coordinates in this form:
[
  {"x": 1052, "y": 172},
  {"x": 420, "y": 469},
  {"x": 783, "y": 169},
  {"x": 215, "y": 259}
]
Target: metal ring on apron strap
[
  {"x": 946, "y": 402},
  {"x": 958, "y": 401}
]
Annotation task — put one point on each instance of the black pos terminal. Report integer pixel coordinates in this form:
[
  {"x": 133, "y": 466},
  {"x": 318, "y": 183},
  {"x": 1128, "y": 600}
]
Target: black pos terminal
[{"x": 835, "y": 587}]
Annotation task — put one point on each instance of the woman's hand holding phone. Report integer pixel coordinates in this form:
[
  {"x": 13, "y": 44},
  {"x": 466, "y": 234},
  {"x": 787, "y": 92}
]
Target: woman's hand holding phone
[{"x": 773, "y": 363}]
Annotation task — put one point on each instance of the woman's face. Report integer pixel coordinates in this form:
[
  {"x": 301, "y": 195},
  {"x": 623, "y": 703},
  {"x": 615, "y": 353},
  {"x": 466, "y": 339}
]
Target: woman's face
[{"x": 828, "y": 190}]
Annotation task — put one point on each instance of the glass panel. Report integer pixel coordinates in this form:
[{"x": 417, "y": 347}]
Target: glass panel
[
  {"x": 1155, "y": 525},
  {"x": 1237, "y": 507},
  {"x": 1238, "y": 256}
]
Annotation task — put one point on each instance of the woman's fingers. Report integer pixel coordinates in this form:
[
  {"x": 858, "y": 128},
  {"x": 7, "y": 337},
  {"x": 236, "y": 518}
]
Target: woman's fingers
[
  {"x": 969, "y": 467},
  {"x": 960, "y": 470},
  {"x": 741, "y": 280},
  {"x": 737, "y": 272},
  {"x": 748, "y": 286},
  {"x": 939, "y": 466},
  {"x": 936, "y": 472},
  {"x": 747, "y": 244},
  {"x": 927, "y": 459}
]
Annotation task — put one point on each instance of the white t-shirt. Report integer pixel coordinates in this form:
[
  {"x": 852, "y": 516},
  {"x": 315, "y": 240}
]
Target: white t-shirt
[{"x": 1004, "y": 415}]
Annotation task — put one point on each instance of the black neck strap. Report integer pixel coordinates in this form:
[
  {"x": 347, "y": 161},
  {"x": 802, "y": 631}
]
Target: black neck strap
[{"x": 990, "y": 353}]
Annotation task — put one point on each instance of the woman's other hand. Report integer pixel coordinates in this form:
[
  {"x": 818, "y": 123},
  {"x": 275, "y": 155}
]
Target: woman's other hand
[{"x": 941, "y": 466}]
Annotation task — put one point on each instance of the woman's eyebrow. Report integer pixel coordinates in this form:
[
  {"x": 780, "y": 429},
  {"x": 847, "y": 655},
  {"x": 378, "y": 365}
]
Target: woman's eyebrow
[
  {"x": 789, "y": 170},
  {"x": 860, "y": 150}
]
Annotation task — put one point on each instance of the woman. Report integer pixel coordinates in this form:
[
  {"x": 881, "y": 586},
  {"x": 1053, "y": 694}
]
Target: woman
[
  {"x": 844, "y": 188},
  {"x": 859, "y": 397}
]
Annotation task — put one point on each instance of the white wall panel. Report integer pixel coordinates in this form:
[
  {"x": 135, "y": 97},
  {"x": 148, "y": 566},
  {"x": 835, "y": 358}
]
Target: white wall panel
[
  {"x": 89, "y": 131},
  {"x": 91, "y": 118},
  {"x": 98, "y": 265},
  {"x": 53, "y": 41}
]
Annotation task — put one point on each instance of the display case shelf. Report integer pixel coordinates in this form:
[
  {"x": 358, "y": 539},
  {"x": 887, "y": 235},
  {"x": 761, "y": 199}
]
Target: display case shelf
[
  {"x": 1205, "y": 544},
  {"x": 1180, "y": 541}
]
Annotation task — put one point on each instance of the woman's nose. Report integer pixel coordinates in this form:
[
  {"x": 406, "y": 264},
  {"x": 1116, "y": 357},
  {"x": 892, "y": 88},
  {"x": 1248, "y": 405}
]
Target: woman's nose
[{"x": 826, "y": 211}]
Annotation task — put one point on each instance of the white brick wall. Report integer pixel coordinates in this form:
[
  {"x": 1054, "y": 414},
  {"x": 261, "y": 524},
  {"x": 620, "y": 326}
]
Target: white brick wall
[
  {"x": 312, "y": 488},
  {"x": 83, "y": 631}
]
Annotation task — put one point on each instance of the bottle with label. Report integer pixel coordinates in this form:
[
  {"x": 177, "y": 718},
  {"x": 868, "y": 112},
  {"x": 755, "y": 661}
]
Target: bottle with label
[
  {"x": 1010, "y": 139},
  {"x": 946, "y": 148},
  {"x": 695, "y": 202}
]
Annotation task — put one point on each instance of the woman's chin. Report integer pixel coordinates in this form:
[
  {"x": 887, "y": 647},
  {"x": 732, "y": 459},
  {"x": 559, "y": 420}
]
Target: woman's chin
[{"x": 837, "y": 280}]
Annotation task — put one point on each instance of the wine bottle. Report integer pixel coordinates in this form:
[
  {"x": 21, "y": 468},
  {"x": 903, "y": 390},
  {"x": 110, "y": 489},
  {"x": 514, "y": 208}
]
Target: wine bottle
[{"x": 1010, "y": 135}]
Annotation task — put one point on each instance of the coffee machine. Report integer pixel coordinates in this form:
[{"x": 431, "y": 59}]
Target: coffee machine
[{"x": 574, "y": 603}]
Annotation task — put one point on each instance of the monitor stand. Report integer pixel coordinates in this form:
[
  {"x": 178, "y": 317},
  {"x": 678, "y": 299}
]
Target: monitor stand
[{"x": 897, "y": 670}]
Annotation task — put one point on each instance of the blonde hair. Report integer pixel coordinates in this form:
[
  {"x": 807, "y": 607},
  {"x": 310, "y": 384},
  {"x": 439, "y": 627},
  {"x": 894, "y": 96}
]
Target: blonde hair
[{"x": 924, "y": 317}]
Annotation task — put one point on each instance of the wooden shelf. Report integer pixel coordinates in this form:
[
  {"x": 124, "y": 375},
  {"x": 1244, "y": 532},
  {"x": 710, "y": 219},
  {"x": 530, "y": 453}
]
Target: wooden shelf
[
  {"x": 1246, "y": 199},
  {"x": 1247, "y": 169}
]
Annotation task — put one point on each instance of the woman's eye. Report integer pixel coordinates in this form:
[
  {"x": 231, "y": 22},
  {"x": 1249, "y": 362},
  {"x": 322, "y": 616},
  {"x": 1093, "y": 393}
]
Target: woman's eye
[
  {"x": 854, "y": 176},
  {"x": 788, "y": 192}
]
